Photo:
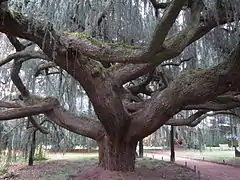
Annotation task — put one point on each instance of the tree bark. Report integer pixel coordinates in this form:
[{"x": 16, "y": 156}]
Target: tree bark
[
  {"x": 172, "y": 156},
  {"x": 32, "y": 149},
  {"x": 141, "y": 148},
  {"x": 116, "y": 155}
]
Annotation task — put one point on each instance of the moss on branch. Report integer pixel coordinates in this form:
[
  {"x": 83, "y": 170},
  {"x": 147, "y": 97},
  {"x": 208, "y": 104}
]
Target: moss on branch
[{"x": 100, "y": 43}]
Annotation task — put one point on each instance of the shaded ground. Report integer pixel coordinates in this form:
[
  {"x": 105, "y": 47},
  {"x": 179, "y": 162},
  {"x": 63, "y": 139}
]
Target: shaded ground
[
  {"x": 208, "y": 170},
  {"x": 146, "y": 169},
  {"x": 50, "y": 170},
  {"x": 87, "y": 170}
]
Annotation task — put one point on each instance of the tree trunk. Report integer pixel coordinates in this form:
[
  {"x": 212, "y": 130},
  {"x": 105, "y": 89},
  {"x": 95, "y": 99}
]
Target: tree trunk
[
  {"x": 117, "y": 156},
  {"x": 32, "y": 149},
  {"x": 172, "y": 158},
  {"x": 141, "y": 148}
]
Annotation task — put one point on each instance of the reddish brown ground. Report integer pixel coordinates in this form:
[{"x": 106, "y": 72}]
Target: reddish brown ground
[
  {"x": 87, "y": 170},
  {"x": 146, "y": 170},
  {"x": 208, "y": 170},
  {"x": 170, "y": 172}
]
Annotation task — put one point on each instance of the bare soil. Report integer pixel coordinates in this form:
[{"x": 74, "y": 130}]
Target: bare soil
[{"x": 146, "y": 169}]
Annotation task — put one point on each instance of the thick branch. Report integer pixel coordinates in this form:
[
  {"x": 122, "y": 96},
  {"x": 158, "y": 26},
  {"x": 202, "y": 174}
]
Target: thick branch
[
  {"x": 142, "y": 86},
  {"x": 13, "y": 104},
  {"x": 192, "y": 88},
  {"x": 18, "y": 46},
  {"x": 172, "y": 45},
  {"x": 188, "y": 121},
  {"x": 82, "y": 125},
  {"x": 24, "y": 54},
  {"x": 17, "y": 80},
  {"x": 166, "y": 22},
  {"x": 26, "y": 111},
  {"x": 213, "y": 106}
]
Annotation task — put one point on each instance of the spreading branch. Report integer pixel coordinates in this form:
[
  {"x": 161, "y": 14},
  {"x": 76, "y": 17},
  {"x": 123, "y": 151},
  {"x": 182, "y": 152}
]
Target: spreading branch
[
  {"x": 45, "y": 67},
  {"x": 198, "y": 116},
  {"x": 27, "y": 54},
  {"x": 26, "y": 111},
  {"x": 162, "y": 29},
  {"x": 13, "y": 104},
  {"x": 172, "y": 46},
  {"x": 191, "y": 88},
  {"x": 36, "y": 125}
]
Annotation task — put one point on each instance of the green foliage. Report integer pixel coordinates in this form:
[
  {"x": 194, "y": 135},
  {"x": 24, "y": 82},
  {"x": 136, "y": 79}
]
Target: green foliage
[
  {"x": 4, "y": 162},
  {"x": 39, "y": 155},
  {"x": 99, "y": 43},
  {"x": 16, "y": 15},
  {"x": 88, "y": 37},
  {"x": 3, "y": 171}
]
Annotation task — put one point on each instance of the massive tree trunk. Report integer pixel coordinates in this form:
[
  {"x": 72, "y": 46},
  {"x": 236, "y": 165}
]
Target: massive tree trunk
[{"x": 116, "y": 155}]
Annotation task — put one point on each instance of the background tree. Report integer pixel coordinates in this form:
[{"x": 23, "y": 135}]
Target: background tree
[{"x": 124, "y": 51}]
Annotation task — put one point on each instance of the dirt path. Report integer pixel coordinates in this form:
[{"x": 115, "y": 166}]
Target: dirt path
[{"x": 208, "y": 170}]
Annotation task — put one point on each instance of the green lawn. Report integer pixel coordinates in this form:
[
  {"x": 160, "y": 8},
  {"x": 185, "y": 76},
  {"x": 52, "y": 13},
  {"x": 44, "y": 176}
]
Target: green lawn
[
  {"x": 215, "y": 156},
  {"x": 71, "y": 156}
]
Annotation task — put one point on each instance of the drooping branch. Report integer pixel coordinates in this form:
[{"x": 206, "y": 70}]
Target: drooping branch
[
  {"x": 82, "y": 125},
  {"x": 36, "y": 125},
  {"x": 45, "y": 67},
  {"x": 27, "y": 54},
  {"x": 17, "y": 80},
  {"x": 34, "y": 105}
]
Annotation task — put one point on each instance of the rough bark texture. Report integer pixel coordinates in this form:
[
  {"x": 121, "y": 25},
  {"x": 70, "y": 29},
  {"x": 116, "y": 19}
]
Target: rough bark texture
[
  {"x": 141, "y": 148},
  {"x": 117, "y": 156},
  {"x": 172, "y": 156},
  {"x": 32, "y": 149}
]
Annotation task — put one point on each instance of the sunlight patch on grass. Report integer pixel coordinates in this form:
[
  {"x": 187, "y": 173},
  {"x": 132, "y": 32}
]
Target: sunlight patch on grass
[{"x": 72, "y": 156}]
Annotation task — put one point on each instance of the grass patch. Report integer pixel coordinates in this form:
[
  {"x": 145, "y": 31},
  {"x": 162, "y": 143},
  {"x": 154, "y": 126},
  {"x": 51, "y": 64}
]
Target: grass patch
[{"x": 72, "y": 156}]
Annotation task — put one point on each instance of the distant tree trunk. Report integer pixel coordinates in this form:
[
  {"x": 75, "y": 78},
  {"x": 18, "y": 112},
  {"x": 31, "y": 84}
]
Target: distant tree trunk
[
  {"x": 140, "y": 148},
  {"x": 238, "y": 134},
  {"x": 117, "y": 156},
  {"x": 32, "y": 149},
  {"x": 172, "y": 156}
]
